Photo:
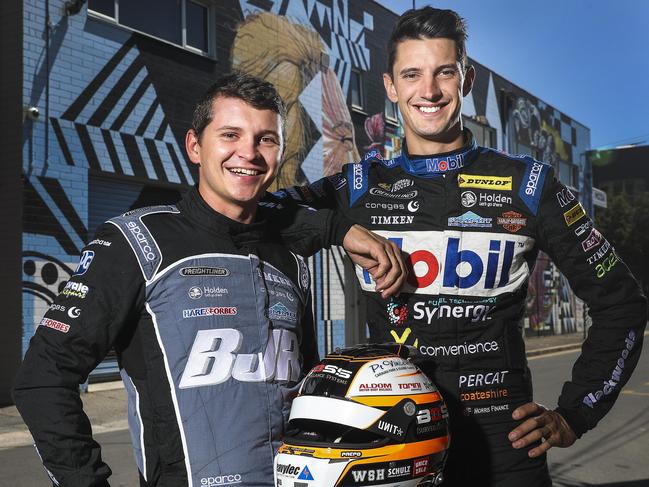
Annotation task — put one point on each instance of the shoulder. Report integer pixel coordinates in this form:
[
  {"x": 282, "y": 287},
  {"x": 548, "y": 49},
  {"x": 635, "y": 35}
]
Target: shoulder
[{"x": 526, "y": 175}]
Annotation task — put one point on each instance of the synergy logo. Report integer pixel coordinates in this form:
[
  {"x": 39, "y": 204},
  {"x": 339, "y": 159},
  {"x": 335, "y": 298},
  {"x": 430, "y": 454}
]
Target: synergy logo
[{"x": 478, "y": 264}]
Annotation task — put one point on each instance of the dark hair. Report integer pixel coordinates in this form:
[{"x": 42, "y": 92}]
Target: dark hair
[
  {"x": 256, "y": 92},
  {"x": 428, "y": 23}
]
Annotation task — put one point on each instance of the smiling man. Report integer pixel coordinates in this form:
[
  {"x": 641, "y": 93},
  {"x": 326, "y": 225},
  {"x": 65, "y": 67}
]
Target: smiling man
[
  {"x": 208, "y": 309},
  {"x": 473, "y": 221}
]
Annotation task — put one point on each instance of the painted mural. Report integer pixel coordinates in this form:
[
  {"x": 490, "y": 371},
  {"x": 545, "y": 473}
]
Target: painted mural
[{"x": 120, "y": 103}]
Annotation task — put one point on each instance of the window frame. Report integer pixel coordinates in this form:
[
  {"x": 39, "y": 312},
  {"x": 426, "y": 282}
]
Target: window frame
[
  {"x": 361, "y": 89},
  {"x": 210, "y": 53},
  {"x": 388, "y": 119}
]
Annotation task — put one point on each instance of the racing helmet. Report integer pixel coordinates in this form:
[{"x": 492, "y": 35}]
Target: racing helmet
[{"x": 365, "y": 416}]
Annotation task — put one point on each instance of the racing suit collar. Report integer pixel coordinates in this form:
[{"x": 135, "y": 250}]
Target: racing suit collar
[
  {"x": 195, "y": 208},
  {"x": 437, "y": 164}
]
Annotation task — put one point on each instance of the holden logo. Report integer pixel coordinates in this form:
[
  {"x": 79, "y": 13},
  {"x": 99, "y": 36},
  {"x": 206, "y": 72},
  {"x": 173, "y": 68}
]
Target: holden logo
[
  {"x": 468, "y": 199},
  {"x": 195, "y": 292},
  {"x": 413, "y": 206}
]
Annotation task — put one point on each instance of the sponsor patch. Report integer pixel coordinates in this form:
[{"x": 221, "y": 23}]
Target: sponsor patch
[
  {"x": 600, "y": 253},
  {"x": 204, "y": 271},
  {"x": 484, "y": 395},
  {"x": 74, "y": 312},
  {"x": 592, "y": 241},
  {"x": 392, "y": 220},
  {"x": 375, "y": 387},
  {"x": 280, "y": 312},
  {"x": 610, "y": 385},
  {"x": 397, "y": 312},
  {"x": 400, "y": 196},
  {"x": 210, "y": 311},
  {"x": 565, "y": 197},
  {"x": 607, "y": 264},
  {"x": 55, "y": 325},
  {"x": 583, "y": 228},
  {"x": 221, "y": 480},
  {"x": 84, "y": 262},
  {"x": 305, "y": 474},
  {"x": 75, "y": 290},
  {"x": 512, "y": 221},
  {"x": 469, "y": 219},
  {"x": 197, "y": 292},
  {"x": 468, "y": 199},
  {"x": 421, "y": 466},
  {"x": 500, "y": 183},
  {"x": 462, "y": 349},
  {"x": 574, "y": 214},
  {"x": 413, "y": 206},
  {"x": 491, "y": 409},
  {"x": 98, "y": 241}
]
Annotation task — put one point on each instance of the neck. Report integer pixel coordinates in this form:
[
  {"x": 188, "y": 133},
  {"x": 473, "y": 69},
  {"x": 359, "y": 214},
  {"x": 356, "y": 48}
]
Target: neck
[
  {"x": 242, "y": 213},
  {"x": 447, "y": 142}
]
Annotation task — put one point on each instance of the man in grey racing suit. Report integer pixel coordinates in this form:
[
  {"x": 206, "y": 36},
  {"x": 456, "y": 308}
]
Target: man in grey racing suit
[{"x": 206, "y": 305}]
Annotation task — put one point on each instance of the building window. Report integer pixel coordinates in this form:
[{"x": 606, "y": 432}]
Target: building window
[
  {"x": 391, "y": 112},
  {"x": 356, "y": 90},
  {"x": 565, "y": 173},
  {"x": 185, "y": 23},
  {"x": 483, "y": 133}
]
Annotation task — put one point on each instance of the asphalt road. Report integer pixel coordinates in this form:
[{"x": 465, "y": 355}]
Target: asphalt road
[{"x": 615, "y": 454}]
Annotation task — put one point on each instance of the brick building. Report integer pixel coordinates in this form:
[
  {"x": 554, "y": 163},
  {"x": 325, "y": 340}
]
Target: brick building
[{"x": 97, "y": 96}]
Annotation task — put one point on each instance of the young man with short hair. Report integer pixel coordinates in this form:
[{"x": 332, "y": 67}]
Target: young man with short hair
[
  {"x": 208, "y": 309},
  {"x": 470, "y": 265}
]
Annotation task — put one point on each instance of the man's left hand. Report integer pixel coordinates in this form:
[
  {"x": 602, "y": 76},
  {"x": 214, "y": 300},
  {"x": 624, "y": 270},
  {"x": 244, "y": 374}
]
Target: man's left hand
[
  {"x": 548, "y": 426},
  {"x": 380, "y": 257}
]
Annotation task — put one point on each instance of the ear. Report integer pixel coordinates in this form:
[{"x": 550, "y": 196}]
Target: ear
[
  {"x": 469, "y": 78},
  {"x": 390, "y": 90},
  {"x": 193, "y": 146}
]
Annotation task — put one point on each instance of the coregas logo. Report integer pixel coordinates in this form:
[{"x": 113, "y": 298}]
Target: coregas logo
[{"x": 480, "y": 263}]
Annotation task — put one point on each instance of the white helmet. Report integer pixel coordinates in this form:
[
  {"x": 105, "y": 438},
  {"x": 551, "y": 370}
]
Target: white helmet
[{"x": 365, "y": 416}]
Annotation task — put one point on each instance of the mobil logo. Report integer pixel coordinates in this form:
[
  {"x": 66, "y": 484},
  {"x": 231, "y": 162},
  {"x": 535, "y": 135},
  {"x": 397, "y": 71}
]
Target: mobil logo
[{"x": 462, "y": 263}]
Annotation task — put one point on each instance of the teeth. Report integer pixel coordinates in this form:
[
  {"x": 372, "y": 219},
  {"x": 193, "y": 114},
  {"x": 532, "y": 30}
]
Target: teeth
[
  {"x": 429, "y": 109},
  {"x": 244, "y": 171}
]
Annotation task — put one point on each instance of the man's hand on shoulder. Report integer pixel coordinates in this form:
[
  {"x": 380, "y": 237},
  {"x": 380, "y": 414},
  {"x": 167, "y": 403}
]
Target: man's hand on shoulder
[
  {"x": 382, "y": 259},
  {"x": 541, "y": 424}
]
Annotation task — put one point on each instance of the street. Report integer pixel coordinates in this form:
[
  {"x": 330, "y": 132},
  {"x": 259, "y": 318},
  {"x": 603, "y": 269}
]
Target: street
[
  {"x": 615, "y": 453},
  {"x": 612, "y": 455}
]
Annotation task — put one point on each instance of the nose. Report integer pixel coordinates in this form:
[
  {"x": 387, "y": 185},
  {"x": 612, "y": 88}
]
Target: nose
[
  {"x": 430, "y": 88},
  {"x": 247, "y": 148}
]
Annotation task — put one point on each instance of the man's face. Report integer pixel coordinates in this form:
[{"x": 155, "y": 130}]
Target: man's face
[
  {"x": 428, "y": 84},
  {"x": 238, "y": 156}
]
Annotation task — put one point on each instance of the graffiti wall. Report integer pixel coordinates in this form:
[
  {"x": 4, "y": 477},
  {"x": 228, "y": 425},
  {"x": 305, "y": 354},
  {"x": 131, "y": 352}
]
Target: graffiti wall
[{"x": 117, "y": 103}]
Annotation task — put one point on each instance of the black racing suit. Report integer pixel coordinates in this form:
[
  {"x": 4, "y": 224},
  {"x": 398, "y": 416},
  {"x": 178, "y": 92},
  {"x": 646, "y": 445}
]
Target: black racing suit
[
  {"x": 212, "y": 323},
  {"x": 473, "y": 222}
]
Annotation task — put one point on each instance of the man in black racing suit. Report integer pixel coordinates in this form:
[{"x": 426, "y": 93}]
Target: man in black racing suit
[
  {"x": 207, "y": 307},
  {"x": 472, "y": 221}
]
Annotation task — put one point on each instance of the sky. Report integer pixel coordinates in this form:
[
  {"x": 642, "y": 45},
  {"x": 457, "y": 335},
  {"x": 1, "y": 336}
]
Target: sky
[{"x": 587, "y": 58}]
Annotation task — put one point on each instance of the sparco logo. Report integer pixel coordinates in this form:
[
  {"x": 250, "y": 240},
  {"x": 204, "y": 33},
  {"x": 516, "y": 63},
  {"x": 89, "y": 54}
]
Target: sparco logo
[
  {"x": 142, "y": 241},
  {"x": 221, "y": 480},
  {"x": 358, "y": 176},
  {"x": 204, "y": 271},
  {"x": 610, "y": 385},
  {"x": 533, "y": 179}
]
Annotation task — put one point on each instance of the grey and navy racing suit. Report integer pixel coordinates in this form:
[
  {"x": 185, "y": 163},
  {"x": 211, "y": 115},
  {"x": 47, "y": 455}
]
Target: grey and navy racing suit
[
  {"x": 472, "y": 223},
  {"x": 212, "y": 324}
]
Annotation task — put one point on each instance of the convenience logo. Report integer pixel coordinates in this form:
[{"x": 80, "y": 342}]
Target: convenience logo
[
  {"x": 500, "y": 183},
  {"x": 574, "y": 214}
]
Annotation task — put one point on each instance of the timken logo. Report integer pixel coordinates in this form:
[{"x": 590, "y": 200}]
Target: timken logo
[{"x": 502, "y": 183}]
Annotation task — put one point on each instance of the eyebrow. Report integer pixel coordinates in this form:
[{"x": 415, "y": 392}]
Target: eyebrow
[{"x": 413, "y": 69}]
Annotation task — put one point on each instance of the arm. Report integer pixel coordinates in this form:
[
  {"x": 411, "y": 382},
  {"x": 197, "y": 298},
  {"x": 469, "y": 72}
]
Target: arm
[
  {"x": 618, "y": 311},
  {"x": 317, "y": 216},
  {"x": 76, "y": 333}
]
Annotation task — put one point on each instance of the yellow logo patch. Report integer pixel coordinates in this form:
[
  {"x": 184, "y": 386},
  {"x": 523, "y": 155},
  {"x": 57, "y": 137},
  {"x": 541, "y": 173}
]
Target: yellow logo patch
[
  {"x": 574, "y": 214},
  {"x": 502, "y": 183}
]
